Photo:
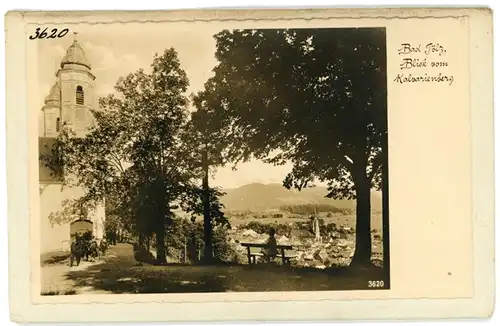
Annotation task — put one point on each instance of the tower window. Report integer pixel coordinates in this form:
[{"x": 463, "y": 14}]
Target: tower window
[
  {"x": 79, "y": 95},
  {"x": 58, "y": 124}
]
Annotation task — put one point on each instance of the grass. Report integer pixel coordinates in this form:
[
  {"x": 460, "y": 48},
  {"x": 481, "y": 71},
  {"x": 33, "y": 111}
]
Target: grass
[
  {"x": 120, "y": 273},
  {"x": 182, "y": 279}
]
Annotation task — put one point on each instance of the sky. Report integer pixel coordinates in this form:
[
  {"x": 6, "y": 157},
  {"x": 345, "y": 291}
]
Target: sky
[{"x": 117, "y": 50}]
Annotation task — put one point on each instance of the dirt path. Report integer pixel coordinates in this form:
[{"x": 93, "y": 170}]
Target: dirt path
[{"x": 60, "y": 279}]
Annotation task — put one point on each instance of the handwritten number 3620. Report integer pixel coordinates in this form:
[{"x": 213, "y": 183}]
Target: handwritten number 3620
[{"x": 44, "y": 34}]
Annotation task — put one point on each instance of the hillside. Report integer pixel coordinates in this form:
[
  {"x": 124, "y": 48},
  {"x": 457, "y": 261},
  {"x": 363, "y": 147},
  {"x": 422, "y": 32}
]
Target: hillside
[{"x": 260, "y": 197}]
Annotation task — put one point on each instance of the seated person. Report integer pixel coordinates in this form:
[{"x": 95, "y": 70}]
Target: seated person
[{"x": 271, "y": 250}]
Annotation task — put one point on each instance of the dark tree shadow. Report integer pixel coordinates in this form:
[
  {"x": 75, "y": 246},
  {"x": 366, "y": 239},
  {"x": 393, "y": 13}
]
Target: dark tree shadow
[
  {"x": 120, "y": 273},
  {"x": 54, "y": 258}
]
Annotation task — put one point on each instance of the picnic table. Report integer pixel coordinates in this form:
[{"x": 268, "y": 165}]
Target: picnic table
[{"x": 252, "y": 255}]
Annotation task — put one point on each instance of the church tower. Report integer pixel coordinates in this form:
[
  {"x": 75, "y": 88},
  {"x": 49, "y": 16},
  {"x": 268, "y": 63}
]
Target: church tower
[
  {"x": 52, "y": 112},
  {"x": 76, "y": 84},
  {"x": 69, "y": 105}
]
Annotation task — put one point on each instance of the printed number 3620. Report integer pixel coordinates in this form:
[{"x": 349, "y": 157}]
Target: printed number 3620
[
  {"x": 44, "y": 34},
  {"x": 375, "y": 284}
]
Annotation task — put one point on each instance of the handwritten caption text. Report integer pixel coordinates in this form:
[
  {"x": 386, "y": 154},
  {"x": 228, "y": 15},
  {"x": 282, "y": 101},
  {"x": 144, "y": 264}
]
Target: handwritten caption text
[{"x": 423, "y": 63}]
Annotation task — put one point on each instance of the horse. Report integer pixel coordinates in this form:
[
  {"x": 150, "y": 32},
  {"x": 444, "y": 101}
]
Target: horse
[{"x": 77, "y": 251}]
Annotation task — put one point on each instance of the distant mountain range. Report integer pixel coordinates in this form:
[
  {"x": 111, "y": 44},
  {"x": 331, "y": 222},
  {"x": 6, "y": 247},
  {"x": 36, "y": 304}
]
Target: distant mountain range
[{"x": 261, "y": 197}]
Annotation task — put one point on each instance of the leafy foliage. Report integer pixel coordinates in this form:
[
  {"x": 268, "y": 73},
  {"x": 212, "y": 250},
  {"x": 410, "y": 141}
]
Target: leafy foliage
[
  {"x": 141, "y": 155},
  {"x": 181, "y": 229},
  {"x": 71, "y": 210},
  {"x": 134, "y": 155},
  {"x": 193, "y": 203},
  {"x": 223, "y": 251},
  {"x": 294, "y": 90},
  {"x": 315, "y": 97}
]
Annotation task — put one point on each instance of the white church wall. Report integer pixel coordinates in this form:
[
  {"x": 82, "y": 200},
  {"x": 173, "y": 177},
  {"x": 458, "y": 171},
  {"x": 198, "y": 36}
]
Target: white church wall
[
  {"x": 99, "y": 217},
  {"x": 55, "y": 236}
]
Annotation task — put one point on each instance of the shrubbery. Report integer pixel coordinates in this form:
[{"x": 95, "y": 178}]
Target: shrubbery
[
  {"x": 180, "y": 231},
  {"x": 223, "y": 251}
]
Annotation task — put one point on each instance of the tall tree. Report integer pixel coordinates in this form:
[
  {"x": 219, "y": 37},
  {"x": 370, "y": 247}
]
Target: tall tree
[
  {"x": 141, "y": 127},
  {"x": 313, "y": 97},
  {"x": 93, "y": 163},
  {"x": 154, "y": 109},
  {"x": 204, "y": 139},
  {"x": 207, "y": 218}
]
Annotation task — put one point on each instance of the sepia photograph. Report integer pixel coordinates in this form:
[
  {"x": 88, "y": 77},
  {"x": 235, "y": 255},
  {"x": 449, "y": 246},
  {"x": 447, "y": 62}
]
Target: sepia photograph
[
  {"x": 232, "y": 160},
  {"x": 243, "y": 165}
]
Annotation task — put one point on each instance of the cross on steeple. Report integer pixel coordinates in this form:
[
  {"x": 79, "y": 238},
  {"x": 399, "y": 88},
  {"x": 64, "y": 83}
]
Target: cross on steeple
[{"x": 75, "y": 34}]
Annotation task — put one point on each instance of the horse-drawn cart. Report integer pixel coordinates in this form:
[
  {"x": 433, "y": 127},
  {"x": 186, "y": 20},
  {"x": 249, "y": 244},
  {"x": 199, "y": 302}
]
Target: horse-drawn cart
[{"x": 83, "y": 242}]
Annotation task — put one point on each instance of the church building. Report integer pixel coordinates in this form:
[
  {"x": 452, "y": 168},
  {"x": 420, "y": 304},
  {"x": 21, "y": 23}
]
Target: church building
[{"x": 68, "y": 104}]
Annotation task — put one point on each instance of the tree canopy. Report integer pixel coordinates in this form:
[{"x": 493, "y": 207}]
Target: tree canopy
[
  {"x": 313, "y": 97},
  {"x": 137, "y": 155}
]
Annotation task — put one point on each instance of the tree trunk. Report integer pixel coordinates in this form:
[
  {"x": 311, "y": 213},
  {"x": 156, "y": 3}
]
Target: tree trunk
[
  {"x": 207, "y": 222},
  {"x": 142, "y": 242},
  {"x": 363, "y": 251},
  {"x": 161, "y": 256},
  {"x": 385, "y": 219}
]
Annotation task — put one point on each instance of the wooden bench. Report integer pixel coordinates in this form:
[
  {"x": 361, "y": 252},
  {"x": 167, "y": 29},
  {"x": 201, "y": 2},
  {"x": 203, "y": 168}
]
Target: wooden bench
[{"x": 252, "y": 256}]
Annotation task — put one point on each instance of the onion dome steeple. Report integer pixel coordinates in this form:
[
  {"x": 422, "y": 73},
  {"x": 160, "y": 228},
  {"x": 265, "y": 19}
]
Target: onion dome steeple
[{"x": 75, "y": 55}]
